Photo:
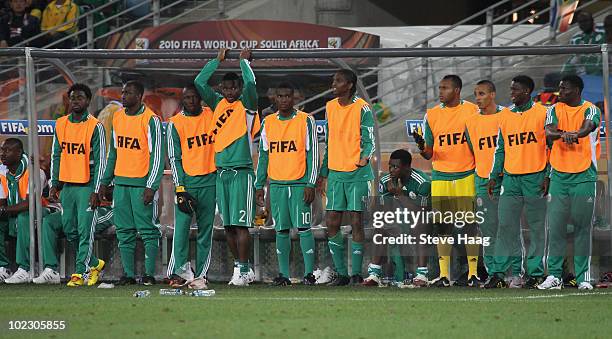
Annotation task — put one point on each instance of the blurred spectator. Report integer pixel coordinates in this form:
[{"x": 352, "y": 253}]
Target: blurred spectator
[
  {"x": 585, "y": 63},
  {"x": 608, "y": 28},
  {"x": 271, "y": 94},
  {"x": 549, "y": 94},
  {"x": 298, "y": 97},
  {"x": 55, "y": 14},
  {"x": 89, "y": 5},
  {"x": 17, "y": 25}
]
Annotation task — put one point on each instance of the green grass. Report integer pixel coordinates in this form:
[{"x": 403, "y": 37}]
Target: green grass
[{"x": 299, "y": 311}]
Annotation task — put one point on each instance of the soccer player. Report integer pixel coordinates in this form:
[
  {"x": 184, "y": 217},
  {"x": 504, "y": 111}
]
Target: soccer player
[
  {"x": 289, "y": 156},
  {"x": 350, "y": 144},
  {"x": 403, "y": 182},
  {"x": 521, "y": 154},
  {"x": 452, "y": 186},
  {"x": 482, "y": 134},
  {"x": 192, "y": 160},
  {"x": 14, "y": 213},
  {"x": 52, "y": 227},
  {"x": 235, "y": 123},
  {"x": 135, "y": 165},
  {"x": 573, "y": 124},
  {"x": 78, "y": 160}
]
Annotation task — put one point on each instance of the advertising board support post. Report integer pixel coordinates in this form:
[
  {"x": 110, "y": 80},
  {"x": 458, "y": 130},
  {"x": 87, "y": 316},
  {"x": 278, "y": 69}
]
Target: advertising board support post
[
  {"x": 35, "y": 204},
  {"x": 606, "y": 97}
]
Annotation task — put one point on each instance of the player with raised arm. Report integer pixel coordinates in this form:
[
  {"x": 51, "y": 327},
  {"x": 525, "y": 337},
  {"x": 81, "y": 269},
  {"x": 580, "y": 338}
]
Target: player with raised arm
[{"x": 235, "y": 123}]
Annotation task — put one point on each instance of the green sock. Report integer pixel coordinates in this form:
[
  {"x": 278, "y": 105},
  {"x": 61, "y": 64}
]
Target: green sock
[
  {"x": 244, "y": 267},
  {"x": 374, "y": 269},
  {"x": 307, "y": 243},
  {"x": 151, "y": 251},
  {"x": 336, "y": 247},
  {"x": 398, "y": 267},
  {"x": 356, "y": 257},
  {"x": 422, "y": 270},
  {"x": 127, "y": 260},
  {"x": 283, "y": 248}
]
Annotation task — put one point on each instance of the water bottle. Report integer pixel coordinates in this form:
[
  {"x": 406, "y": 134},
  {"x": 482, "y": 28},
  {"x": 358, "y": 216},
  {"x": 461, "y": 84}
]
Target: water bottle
[
  {"x": 171, "y": 291},
  {"x": 202, "y": 293},
  {"x": 142, "y": 294}
]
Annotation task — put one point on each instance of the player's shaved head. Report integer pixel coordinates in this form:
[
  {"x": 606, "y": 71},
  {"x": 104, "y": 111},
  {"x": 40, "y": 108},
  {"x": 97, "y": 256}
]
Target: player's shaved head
[
  {"x": 524, "y": 81},
  {"x": 14, "y": 142},
  {"x": 488, "y": 84},
  {"x": 454, "y": 79},
  {"x": 574, "y": 81}
]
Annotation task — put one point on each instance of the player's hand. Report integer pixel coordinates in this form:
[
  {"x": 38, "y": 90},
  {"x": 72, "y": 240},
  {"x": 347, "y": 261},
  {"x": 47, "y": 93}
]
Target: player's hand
[
  {"x": 392, "y": 187},
  {"x": 419, "y": 140},
  {"x": 309, "y": 195},
  {"x": 102, "y": 192},
  {"x": 490, "y": 187},
  {"x": 185, "y": 202},
  {"x": 570, "y": 137},
  {"x": 94, "y": 201},
  {"x": 246, "y": 53},
  {"x": 221, "y": 55},
  {"x": 362, "y": 162},
  {"x": 147, "y": 196},
  {"x": 53, "y": 194},
  {"x": 321, "y": 185},
  {"x": 260, "y": 198},
  {"x": 545, "y": 185}
]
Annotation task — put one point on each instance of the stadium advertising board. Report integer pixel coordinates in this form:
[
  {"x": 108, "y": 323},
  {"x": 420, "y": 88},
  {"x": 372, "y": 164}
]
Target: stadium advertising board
[{"x": 238, "y": 34}]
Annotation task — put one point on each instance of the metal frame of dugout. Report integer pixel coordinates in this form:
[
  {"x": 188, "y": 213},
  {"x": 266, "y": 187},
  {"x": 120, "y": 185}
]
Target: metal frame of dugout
[{"x": 30, "y": 54}]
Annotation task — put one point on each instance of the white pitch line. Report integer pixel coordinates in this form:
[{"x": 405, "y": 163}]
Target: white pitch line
[{"x": 340, "y": 299}]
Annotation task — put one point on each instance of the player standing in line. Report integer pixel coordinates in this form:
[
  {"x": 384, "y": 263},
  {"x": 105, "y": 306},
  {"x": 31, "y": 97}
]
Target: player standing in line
[
  {"x": 135, "y": 164},
  {"x": 573, "y": 125},
  {"x": 452, "y": 186},
  {"x": 289, "y": 156},
  {"x": 521, "y": 154},
  {"x": 235, "y": 123},
  {"x": 403, "y": 182},
  {"x": 14, "y": 204},
  {"x": 350, "y": 144},
  {"x": 192, "y": 160},
  {"x": 78, "y": 160},
  {"x": 482, "y": 134}
]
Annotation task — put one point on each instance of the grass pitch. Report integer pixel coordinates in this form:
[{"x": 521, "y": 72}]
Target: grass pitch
[{"x": 301, "y": 311}]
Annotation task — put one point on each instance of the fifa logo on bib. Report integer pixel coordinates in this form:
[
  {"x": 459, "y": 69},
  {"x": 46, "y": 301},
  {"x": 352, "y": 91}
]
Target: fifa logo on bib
[
  {"x": 128, "y": 142},
  {"x": 73, "y": 148},
  {"x": 199, "y": 141},
  {"x": 282, "y": 146},
  {"x": 222, "y": 120},
  {"x": 452, "y": 139},
  {"x": 487, "y": 142},
  {"x": 521, "y": 138}
]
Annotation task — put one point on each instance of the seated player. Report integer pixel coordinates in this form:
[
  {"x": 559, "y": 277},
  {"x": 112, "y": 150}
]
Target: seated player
[{"x": 403, "y": 182}]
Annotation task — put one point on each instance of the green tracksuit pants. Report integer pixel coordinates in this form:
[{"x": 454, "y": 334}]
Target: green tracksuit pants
[
  {"x": 570, "y": 203},
  {"x": 204, "y": 217},
  {"x": 133, "y": 217},
  {"x": 520, "y": 192},
  {"x": 53, "y": 228},
  {"x": 490, "y": 225}
]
